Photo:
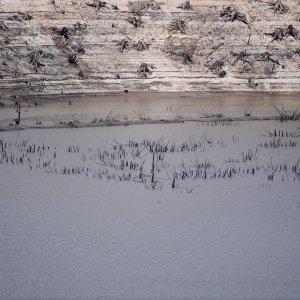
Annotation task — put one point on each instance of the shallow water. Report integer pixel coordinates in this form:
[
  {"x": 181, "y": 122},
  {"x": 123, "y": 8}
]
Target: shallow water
[
  {"x": 85, "y": 237},
  {"x": 223, "y": 144},
  {"x": 154, "y": 106}
]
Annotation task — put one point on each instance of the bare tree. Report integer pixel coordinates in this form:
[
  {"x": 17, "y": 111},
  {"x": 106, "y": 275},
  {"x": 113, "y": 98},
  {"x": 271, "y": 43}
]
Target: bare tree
[{"x": 18, "y": 119}]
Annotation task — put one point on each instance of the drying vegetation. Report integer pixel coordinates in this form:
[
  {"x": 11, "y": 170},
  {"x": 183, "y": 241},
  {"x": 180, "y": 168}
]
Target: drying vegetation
[
  {"x": 162, "y": 163},
  {"x": 287, "y": 114}
]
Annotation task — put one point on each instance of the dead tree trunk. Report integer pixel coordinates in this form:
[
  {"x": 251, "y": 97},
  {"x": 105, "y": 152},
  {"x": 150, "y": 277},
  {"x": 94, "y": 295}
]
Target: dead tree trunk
[
  {"x": 173, "y": 182},
  {"x": 152, "y": 172},
  {"x": 18, "y": 120}
]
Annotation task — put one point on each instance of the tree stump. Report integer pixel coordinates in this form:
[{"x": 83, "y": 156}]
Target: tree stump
[
  {"x": 178, "y": 25},
  {"x": 232, "y": 14},
  {"x": 79, "y": 27},
  {"x": 267, "y": 56},
  {"x": 64, "y": 32},
  {"x": 278, "y": 7},
  {"x": 135, "y": 21},
  {"x": 280, "y": 33},
  {"x": 217, "y": 66},
  {"x": 241, "y": 56},
  {"x": 187, "y": 57},
  {"x": 3, "y": 27},
  {"x": 124, "y": 44},
  {"x": 72, "y": 59},
  {"x": 97, "y": 4},
  {"x": 144, "y": 70},
  {"x": 141, "y": 45},
  {"x": 186, "y": 5}
]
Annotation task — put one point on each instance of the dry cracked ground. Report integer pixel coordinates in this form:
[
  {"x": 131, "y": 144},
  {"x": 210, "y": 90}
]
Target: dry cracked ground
[{"x": 55, "y": 47}]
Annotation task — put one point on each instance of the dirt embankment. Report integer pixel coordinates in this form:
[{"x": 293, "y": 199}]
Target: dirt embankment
[{"x": 89, "y": 47}]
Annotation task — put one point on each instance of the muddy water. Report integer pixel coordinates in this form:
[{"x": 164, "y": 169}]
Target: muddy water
[{"x": 154, "y": 106}]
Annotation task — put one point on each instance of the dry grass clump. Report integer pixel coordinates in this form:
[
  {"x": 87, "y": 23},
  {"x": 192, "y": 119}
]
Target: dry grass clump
[{"x": 287, "y": 114}]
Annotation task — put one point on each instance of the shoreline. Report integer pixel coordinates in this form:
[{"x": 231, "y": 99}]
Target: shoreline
[
  {"x": 58, "y": 98},
  {"x": 141, "y": 122},
  {"x": 138, "y": 108}
]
